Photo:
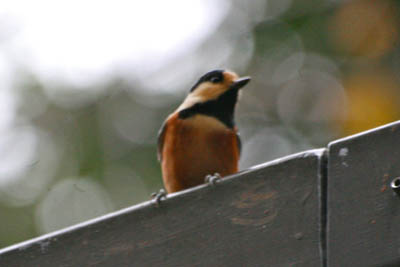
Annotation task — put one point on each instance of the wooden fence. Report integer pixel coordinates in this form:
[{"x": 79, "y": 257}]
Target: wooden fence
[{"x": 332, "y": 206}]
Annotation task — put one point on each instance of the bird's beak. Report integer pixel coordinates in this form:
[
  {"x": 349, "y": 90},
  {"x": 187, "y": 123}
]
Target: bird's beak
[{"x": 239, "y": 83}]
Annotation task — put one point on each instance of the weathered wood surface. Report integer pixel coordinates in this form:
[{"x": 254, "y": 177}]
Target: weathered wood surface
[
  {"x": 266, "y": 216},
  {"x": 363, "y": 212}
]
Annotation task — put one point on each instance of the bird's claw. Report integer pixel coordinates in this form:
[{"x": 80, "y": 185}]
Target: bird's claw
[
  {"x": 157, "y": 197},
  {"x": 213, "y": 179}
]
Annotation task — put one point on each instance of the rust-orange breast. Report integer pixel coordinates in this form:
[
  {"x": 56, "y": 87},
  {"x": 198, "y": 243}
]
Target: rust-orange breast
[{"x": 194, "y": 148}]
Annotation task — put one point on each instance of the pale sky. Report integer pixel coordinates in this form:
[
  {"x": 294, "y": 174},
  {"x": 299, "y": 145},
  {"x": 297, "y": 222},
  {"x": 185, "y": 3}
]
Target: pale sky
[{"x": 80, "y": 41}]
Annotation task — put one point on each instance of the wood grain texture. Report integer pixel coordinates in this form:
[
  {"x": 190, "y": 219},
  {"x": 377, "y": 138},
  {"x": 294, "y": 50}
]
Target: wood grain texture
[
  {"x": 266, "y": 216},
  {"x": 363, "y": 211}
]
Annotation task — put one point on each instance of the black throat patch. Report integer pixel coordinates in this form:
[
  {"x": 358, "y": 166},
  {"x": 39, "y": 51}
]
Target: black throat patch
[{"x": 222, "y": 108}]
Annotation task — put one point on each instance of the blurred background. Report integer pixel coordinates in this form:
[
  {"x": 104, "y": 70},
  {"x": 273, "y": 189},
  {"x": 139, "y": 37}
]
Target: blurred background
[{"x": 85, "y": 86}]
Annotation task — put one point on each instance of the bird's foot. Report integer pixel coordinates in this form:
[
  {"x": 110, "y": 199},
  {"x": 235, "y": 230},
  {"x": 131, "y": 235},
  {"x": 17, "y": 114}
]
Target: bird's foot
[
  {"x": 157, "y": 197},
  {"x": 212, "y": 179}
]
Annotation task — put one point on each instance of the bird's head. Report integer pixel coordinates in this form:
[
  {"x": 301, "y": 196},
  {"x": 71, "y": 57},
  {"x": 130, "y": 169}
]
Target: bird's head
[
  {"x": 214, "y": 95},
  {"x": 213, "y": 86}
]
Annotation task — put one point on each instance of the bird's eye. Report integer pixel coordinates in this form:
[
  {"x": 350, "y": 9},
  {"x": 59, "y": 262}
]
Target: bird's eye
[{"x": 215, "y": 79}]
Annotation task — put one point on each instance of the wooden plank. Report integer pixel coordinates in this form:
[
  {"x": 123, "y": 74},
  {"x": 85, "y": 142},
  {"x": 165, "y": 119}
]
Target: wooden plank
[
  {"x": 364, "y": 213},
  {"x": 266, "y": 216}
]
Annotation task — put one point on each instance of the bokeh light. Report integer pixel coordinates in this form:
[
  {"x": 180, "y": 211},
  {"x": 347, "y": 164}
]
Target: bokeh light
[
  {"x": 366, "y": 28},
  {"x": 71, "y": 201},
  {"x": 374, "y": 97}
]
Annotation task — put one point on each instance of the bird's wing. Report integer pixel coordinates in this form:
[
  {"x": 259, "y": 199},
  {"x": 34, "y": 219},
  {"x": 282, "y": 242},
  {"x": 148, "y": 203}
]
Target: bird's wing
[{"x": 160, "y": 140}]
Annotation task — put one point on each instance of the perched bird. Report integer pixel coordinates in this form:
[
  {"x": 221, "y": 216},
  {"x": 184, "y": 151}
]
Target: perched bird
[{"x": 200, "y": 137}]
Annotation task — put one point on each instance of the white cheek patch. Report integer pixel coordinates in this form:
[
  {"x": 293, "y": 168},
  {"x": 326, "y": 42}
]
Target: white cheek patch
[
  {"x": 189, "y": 102},
  {"x": 205, "y": 92},
  {"x": 208, "y": 91}
]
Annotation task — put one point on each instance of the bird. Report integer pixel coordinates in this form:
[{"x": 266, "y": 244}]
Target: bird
[{"x": 200, "y": 137}]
